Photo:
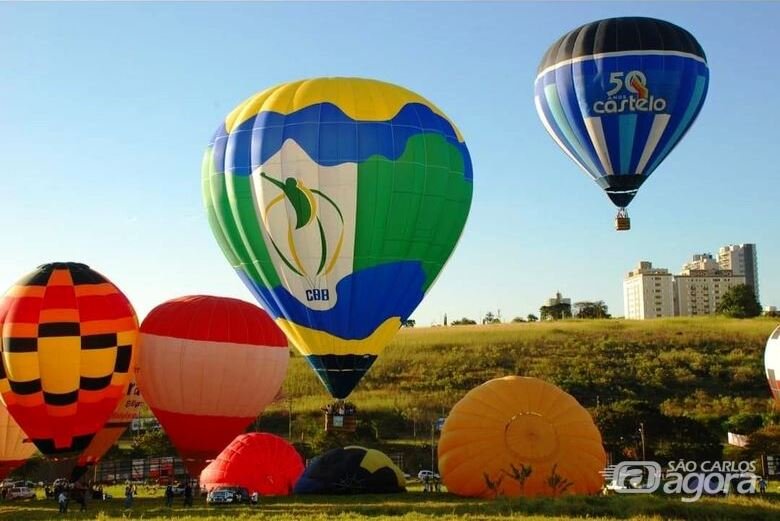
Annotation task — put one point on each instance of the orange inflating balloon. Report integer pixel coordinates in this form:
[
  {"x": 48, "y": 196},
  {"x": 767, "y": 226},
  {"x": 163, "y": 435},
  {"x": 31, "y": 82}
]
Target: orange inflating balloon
[
  {"x": 67, "y": 343},
  {"x": 518, "y": 436},
  {"x": 14, "y": 447}
]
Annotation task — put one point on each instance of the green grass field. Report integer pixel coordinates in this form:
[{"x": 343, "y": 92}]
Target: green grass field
[{"x": 412, "y": 506}]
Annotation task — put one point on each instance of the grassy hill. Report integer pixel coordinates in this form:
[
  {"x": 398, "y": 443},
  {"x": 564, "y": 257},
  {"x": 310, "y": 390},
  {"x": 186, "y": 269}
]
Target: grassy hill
[
  {"x": 707, "y": 365},
  {"x": 708, "y": 368}
]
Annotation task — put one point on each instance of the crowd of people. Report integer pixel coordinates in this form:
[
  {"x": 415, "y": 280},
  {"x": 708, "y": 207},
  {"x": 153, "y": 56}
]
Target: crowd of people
[
  {"x": 78, "y": 493},
  {"x": 66, "y": 493},
  {"x": 340, "y": 408}
]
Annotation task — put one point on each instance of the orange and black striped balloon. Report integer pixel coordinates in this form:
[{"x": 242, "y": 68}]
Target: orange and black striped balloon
[{"x": 67, "y": 341}]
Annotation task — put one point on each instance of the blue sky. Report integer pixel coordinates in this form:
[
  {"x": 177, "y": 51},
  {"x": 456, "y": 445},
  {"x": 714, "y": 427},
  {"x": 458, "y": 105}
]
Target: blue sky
[{"x": 105, "y": 111}]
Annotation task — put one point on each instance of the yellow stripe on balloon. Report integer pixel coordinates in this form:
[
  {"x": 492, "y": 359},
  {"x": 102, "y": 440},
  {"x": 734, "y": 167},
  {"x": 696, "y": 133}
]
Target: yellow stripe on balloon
[
  {"x": 293, "y": 250},
  {"x": 336, "y": 252},
  {"x": 21, "y": 367},
  {"x": 59, "y": 363},
  {"x": 97, "y": 363},
  {"x": 359, "y": 98},
  {"x": 314, "y": 342}
]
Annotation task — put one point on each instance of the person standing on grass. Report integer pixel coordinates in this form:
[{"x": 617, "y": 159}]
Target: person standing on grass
[
  {"x": 62, "y": 499},
  {"x": 169, "y": 495},
  {"x": 188, "y": 495},
  {"x": 128, "y": 496}
]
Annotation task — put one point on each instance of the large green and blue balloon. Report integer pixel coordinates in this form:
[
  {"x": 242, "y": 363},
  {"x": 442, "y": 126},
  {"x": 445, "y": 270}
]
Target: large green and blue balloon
[
  {"x": 617, "y": 95},
  {"x": 337, "y": 201}
]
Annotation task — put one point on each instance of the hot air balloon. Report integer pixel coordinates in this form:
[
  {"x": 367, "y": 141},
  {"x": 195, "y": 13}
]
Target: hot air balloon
[
  {"x": 15, "y": 449},
  {"x": 772, "y": 363},
  {"x": 351, "y": 470},
  {"x": 518, "y": 436},
  {"x": 67, "y": 344},
  {"x": 126, "y": 411},
  {"x": 337, "y": 201},
  {"x": 207, "y": 367},
  {"x": 259, "y": 462},
  {"x": 617, "y": 95}
]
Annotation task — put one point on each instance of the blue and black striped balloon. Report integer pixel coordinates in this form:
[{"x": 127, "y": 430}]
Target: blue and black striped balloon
[{"x": 617, "y": 95}]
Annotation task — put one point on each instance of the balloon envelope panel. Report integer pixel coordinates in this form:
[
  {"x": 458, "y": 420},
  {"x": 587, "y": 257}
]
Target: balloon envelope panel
[
  {"x": 128, "y": 409},
  {"x": 617, "y": 95},
  {"x": 337, "y": 201},
  {"x": 351, "y": 470},
  {"x": 772, "y": 363},
  {"x": 68, "y": 337},
  {"x": 511, "y": 426},
  {"x": 207, "y": 367},
  {"x": 15, "y": 449},
  {"x": 259, "y": 462}
]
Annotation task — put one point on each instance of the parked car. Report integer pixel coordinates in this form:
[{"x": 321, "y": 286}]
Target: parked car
[
  {"x": 614, "y": 486},
  {"x": 227, "y": 495},
  {"x": 20, "y": 493},
  {"x": 425, "y": 475}
]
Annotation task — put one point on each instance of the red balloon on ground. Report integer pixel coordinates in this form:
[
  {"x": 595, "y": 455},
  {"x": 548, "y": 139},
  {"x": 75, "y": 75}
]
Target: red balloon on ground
[
  {"x": 259, "y": 462},
  {"x": 207, "y": 367}
]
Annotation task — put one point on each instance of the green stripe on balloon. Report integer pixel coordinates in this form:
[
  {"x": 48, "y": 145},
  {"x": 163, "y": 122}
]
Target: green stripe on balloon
[
  {"x": 206, "y": 181},
  {"x": 412, "y": 208},
  {"x": 238, "y": 224}
]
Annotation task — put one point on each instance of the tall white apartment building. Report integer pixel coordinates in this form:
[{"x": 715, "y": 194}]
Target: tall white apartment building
[
  {"x": 648, "y": 292},
  {"x": 741, "y": 259},
  {"x": 701, "y": 285}
]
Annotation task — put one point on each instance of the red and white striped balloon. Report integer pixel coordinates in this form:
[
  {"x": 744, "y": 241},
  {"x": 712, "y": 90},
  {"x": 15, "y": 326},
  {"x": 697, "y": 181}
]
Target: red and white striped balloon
[{"x": 207, "y": 367}]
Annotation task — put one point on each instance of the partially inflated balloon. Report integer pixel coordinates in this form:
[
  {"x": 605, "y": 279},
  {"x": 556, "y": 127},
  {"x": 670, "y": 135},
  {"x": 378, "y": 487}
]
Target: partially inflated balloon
[
  {"x": 259, "y": 462},
  {"x": 15, "y": 449},
  {"x": 67, "y": 346},
  {"x": 351, "y": 470},
  {"x": 519, "y": 436},
  {"x": 337, "y": 201},
  {"x": 207, "y": 367},
  {"x": 772, "y": 363},
  {"x": 617, "y": 95}
]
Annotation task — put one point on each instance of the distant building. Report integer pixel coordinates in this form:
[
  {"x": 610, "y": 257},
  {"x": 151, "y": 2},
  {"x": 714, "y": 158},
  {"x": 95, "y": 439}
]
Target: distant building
[
  {"x": 648, "y": 292},
  {"x": 701, "y": 285},
  {"x": 742, "y": 260},
  {"x": 557, "y": 299},
  {"x": 702, "y": 262},
  {"x": 555, "y": 308},
  {"x": 697, "y": 290}
]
